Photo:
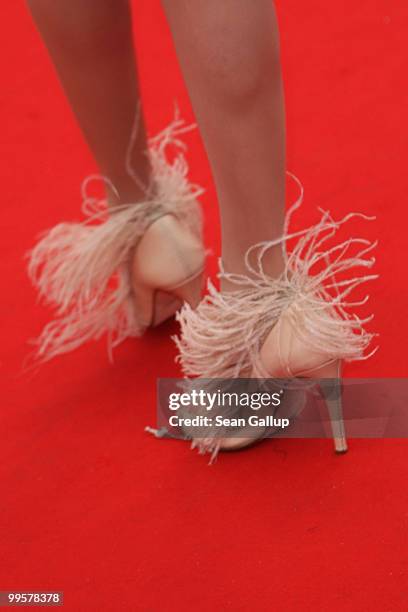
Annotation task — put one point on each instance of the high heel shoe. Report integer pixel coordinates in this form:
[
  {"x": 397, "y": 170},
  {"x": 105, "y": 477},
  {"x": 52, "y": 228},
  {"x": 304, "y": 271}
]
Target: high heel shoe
[
  {"x": 300, "y": 324},
  {"x": 167, "y": 270},
  {"x": 126, "y": 268},
  {"x": 284, "y": 354}
]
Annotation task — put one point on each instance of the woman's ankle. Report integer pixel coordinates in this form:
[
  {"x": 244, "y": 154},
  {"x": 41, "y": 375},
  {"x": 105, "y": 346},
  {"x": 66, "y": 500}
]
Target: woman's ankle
[
  {"x": 126, "y": 190},
  {"x": 235, "y": 263}
]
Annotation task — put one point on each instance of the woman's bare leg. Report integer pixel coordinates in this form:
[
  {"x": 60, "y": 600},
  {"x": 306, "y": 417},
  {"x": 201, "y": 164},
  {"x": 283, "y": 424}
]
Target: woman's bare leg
[
  {"x": 229, "y": 54},
  {"x": 90, "y": 43}
]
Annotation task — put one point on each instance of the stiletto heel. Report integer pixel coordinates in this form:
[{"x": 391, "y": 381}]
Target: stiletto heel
[
  {"x": 191, "y": 290},
  {"x": 332, "y": 393},
  {"x": 167, "y": 303},
  {"x": 165, "y": 306}
]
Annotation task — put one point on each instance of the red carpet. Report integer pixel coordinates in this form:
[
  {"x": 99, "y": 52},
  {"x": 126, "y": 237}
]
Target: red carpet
[{"x": 89, "y": 503}]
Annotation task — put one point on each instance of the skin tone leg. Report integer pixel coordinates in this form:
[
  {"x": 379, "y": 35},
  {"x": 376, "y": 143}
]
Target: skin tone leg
[
  {"x": 229, "y": 54},
  {"x": 90, "y": 43}
]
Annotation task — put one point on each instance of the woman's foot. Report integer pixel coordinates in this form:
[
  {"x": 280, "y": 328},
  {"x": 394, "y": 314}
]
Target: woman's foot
[
  {"x": 127, "y": 267},
  {"x": 292, "y": 325}
]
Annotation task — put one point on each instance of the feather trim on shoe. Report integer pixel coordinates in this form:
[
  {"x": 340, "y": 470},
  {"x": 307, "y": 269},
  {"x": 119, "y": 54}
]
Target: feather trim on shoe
[
  {"x": 223, "y": 337},
  {"x": 82, "y": 269}
]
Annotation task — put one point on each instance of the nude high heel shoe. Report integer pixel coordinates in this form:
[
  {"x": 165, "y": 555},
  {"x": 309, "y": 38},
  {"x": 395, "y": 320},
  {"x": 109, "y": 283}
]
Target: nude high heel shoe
[
  {"x": 125, "y": 268},
  {"x": 285, "y": 355},
  {"x": 167, "y": 270},
  {"x": 301, "y": 324}
]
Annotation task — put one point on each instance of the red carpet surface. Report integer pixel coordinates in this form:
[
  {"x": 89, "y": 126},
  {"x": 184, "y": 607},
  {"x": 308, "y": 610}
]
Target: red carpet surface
[{"x": 89, "y": 503}]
